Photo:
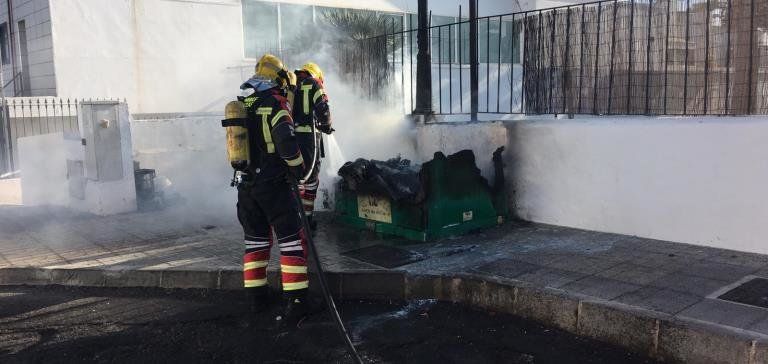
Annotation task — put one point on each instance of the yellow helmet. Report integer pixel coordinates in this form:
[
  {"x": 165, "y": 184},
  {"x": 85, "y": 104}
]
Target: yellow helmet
[
  {"x": 313, "y": 70},
  {"x": 270, "y": 67}
]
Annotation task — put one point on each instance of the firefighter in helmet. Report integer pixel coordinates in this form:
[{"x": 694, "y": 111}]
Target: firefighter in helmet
[
  {"x": 311, "y": 115},
  {"x": 263, "y": 150}
]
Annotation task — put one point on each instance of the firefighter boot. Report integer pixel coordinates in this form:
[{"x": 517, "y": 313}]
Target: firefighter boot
[
  {"x": 296, "y": 309},
  {"x": 258, "y": 299}
]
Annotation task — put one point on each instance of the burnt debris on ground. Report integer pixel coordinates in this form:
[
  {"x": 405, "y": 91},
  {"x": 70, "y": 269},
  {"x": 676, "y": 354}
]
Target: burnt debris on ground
[{"x": 65, "y": 324}]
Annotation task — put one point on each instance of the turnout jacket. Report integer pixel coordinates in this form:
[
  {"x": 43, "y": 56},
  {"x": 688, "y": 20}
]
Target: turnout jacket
[
  {"x": 271, "y": 135},
  {"x": 310, "y": 104}
]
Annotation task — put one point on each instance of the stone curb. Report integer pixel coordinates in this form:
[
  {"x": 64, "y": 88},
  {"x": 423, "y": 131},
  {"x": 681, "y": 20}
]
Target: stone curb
[{"x": 658, "y": 335}]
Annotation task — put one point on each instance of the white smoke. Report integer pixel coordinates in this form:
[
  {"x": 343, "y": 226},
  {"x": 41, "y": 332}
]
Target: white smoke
[{"x": 365, "y": 128}]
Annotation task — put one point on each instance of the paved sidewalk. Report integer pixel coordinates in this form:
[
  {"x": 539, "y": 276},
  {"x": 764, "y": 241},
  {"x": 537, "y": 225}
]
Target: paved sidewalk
[{"x": 663, "y": 280}]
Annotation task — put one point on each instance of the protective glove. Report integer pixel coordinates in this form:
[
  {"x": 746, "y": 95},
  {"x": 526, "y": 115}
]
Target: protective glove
[
  {"x": 325, "y": 128},
  {"x": 295, "y": 174}
]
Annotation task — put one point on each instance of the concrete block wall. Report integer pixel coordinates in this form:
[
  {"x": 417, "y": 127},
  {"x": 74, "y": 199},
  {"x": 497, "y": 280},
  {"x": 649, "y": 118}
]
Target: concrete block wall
[{"x": 37, "y": 17}]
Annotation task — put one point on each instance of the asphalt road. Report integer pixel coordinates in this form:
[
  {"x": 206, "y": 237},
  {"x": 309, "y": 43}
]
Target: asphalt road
[{"x": 73, "y": 325}]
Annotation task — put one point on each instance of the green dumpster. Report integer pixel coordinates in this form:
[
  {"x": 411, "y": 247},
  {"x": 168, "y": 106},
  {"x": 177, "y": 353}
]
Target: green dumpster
[{"x": 456, "y": 200}]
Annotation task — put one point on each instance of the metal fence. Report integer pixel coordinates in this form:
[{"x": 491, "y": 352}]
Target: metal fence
[
  {"x": 22, "y": 117},
  {"x": 628, "y": 57}
]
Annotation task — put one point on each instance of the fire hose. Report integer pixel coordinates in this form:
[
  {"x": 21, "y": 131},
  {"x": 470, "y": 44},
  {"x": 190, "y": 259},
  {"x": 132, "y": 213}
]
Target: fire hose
[
  {"x": 324, "y": 284},
  {"x": 316, "y": 258}
]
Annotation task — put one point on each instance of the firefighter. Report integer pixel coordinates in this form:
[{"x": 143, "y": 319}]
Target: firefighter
[
  {"x": 266, "y": 202},
  {"x": 311, "y": 113}
]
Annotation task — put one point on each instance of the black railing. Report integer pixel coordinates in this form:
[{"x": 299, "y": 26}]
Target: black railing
[
  {"x": 23, "y": 117},
  {"x": 620, "y": 57}
]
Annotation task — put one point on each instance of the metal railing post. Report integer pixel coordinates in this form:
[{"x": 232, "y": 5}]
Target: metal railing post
[
  {"x": 450, "y": 69},
  {"x": 498, "y": 72},
  {"x": 440, "y": 69},
  {"x": 524, "y": 57},
  {"x": 473, "y": 59},
  {"x": 566, "y": 72},
  {"x": 613, "y": 54},
  {"x": 728, "y": 61},
  {"x": 751, "y": 54},
  {"x": 581, "y": 56},
  {"x": 687, "y": 41},
  {"x": 630, "y": 68},
  {"x": 461, "y": 69},
  {"x": 487, "y": 64},
  {"x": 512, "y": 66},
  {"x": 706, "y": 64},
  {"x": 597, "y": 57},
  {"x": 423, "y": 66},
  {"x": 648, "y": 60},
  {"x": 666, "y": 56},
  {"x": 553, "y": 16}
]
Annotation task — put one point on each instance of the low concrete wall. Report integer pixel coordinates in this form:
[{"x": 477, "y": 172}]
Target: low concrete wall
[
  {"x": 694, "y": 180},
  {"x": 10, "y": 191}
]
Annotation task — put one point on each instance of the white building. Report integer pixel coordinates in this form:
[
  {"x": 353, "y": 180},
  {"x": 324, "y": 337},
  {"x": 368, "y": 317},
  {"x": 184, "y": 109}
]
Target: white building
[{"x": 169, "y": 55}]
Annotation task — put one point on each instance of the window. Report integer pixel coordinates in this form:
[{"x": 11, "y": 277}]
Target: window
[
  {"x": 297, "y": 28},
  {"x": 441, "y": 39},
  {"x": 487, "y": 42},
  {"x": 4, "y": 44},
  {"x": 510, "y": 41},
  {"x": 260, "y": 28}
]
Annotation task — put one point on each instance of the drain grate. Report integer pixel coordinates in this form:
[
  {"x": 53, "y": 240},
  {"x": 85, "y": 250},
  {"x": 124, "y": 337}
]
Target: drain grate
[
  {"x": 385, "y": 256},
  {"x": 753, "y": 292}
]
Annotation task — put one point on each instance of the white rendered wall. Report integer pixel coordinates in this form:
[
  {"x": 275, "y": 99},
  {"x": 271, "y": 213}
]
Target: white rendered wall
[
  {"x": 694, "y": 180},
  {"x": 163, "y": 56},
  {"x": 94, "y": 49}
]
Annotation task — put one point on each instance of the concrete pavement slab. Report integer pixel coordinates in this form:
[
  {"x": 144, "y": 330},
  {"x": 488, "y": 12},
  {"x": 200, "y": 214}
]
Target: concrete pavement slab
[
  {"x": 725, "y": 313},
  {"x": 594, "y": 283},
  {"x": 550, "y": 277},
  {"x": 689, "y": 284},
  {"x": 659, "y": 299},
  {"x": 600, "y": 287}
]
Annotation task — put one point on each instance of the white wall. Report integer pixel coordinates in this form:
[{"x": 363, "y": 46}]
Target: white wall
[
  {"x": 162, "y": 55},
  {"x": 693, "y": 180},
  {"x": 94, "y": 49}
]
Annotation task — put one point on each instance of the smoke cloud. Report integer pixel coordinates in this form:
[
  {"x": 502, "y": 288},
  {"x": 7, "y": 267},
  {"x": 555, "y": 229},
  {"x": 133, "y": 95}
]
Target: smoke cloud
[{"x": 189, "y": 153}]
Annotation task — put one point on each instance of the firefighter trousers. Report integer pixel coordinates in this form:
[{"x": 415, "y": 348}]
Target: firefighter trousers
[
  {"x": 268, "y": 211},
  {"x": 308, "y": 189}
]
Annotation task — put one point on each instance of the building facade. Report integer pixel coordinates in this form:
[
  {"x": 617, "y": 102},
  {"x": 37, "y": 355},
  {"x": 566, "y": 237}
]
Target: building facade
[
  {"x": 173, "y": 55},
  {"x": 26, "y": 48}
]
